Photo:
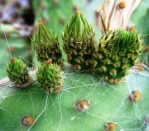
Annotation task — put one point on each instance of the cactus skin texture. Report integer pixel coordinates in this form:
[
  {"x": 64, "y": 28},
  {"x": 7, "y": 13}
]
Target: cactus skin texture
[
  {"x": 46, "y": 45},
  {"x": 117, "y": 53},
  {"x": 18, "y": 73},
  {"x": 79, "y": 44},
  {"x": 50, "y": 77}
]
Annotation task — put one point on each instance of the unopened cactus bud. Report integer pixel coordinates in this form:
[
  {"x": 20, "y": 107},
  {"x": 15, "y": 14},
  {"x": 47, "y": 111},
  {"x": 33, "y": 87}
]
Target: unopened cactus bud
[
  {"x": 18, "y": 73},
  {"x": 46, "y": 45},
  {"x": 122, "y": 50},
  {"x": 79, "y": 44},
  {"x": 49, "y": 77}
]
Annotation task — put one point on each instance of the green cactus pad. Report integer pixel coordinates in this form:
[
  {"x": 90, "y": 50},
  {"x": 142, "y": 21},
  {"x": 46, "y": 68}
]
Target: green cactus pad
[
  {"x": 108, "y": 103},
  {"x": 18, "y": 73},
  {"x": 118, "y": 51},
  {"x": 50, "y": 77},
  {"x": 46, "y": 45},
  {"x": 79, "y": 44}
]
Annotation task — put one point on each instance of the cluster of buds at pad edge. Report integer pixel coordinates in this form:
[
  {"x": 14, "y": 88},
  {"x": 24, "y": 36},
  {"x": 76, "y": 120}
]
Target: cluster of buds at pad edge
[
  {"x": 46, "y": 45},
  {"x": 117, "y": 52},
  {"x": 79, "y": 44},
  {"x": 115, "y": 14},
  {"x": 49, "y": 77},
  {"x": 18, "y": 73}
]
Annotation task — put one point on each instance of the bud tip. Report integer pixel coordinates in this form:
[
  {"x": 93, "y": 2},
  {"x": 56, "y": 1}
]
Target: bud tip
[
  {"x": 49, "y": 62},
  {"x": 12, "y": 59}
]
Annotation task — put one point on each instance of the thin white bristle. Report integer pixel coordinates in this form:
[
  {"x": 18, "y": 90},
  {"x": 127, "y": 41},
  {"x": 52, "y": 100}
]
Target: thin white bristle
[{"x": 6, "y": 40}]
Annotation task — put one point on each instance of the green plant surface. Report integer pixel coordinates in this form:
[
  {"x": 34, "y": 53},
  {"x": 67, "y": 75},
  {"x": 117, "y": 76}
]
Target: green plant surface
[{"x": 108, "y": 103}]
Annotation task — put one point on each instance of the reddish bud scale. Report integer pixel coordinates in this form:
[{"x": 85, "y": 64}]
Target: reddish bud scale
[
  {"x": 12, "y": 60},
  {"x": 49, "y": 62},
  {"x": 40, "y": 21},
  {"x": 75, "y": 9}
]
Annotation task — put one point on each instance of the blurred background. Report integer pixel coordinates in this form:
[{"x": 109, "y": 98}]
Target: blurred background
[{"x": 18, "y": 22}]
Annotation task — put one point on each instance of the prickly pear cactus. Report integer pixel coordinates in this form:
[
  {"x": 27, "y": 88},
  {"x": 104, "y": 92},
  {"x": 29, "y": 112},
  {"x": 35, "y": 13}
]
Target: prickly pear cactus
[{"x": 85, "y": 101}]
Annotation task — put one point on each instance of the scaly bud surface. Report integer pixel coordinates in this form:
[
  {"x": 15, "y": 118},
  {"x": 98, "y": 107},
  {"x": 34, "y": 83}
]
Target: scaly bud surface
[
  {"x": 119, "y": 50},
  {"x": 46, "y": 45},
  {"x": 79, "y": 44},
  {"x": 18, "y": 73},
  {"x": 49, "y": 77}
]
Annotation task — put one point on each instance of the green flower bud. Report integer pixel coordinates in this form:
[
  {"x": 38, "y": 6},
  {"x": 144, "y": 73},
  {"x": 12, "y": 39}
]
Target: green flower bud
[
  {"x": 122, "y": 47},
  {"x": 79, "y": 44},
  {"x": 46, "y": 45},
  {"x": 18, "y": 73},
  {"x": 49, "y": 77}
]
